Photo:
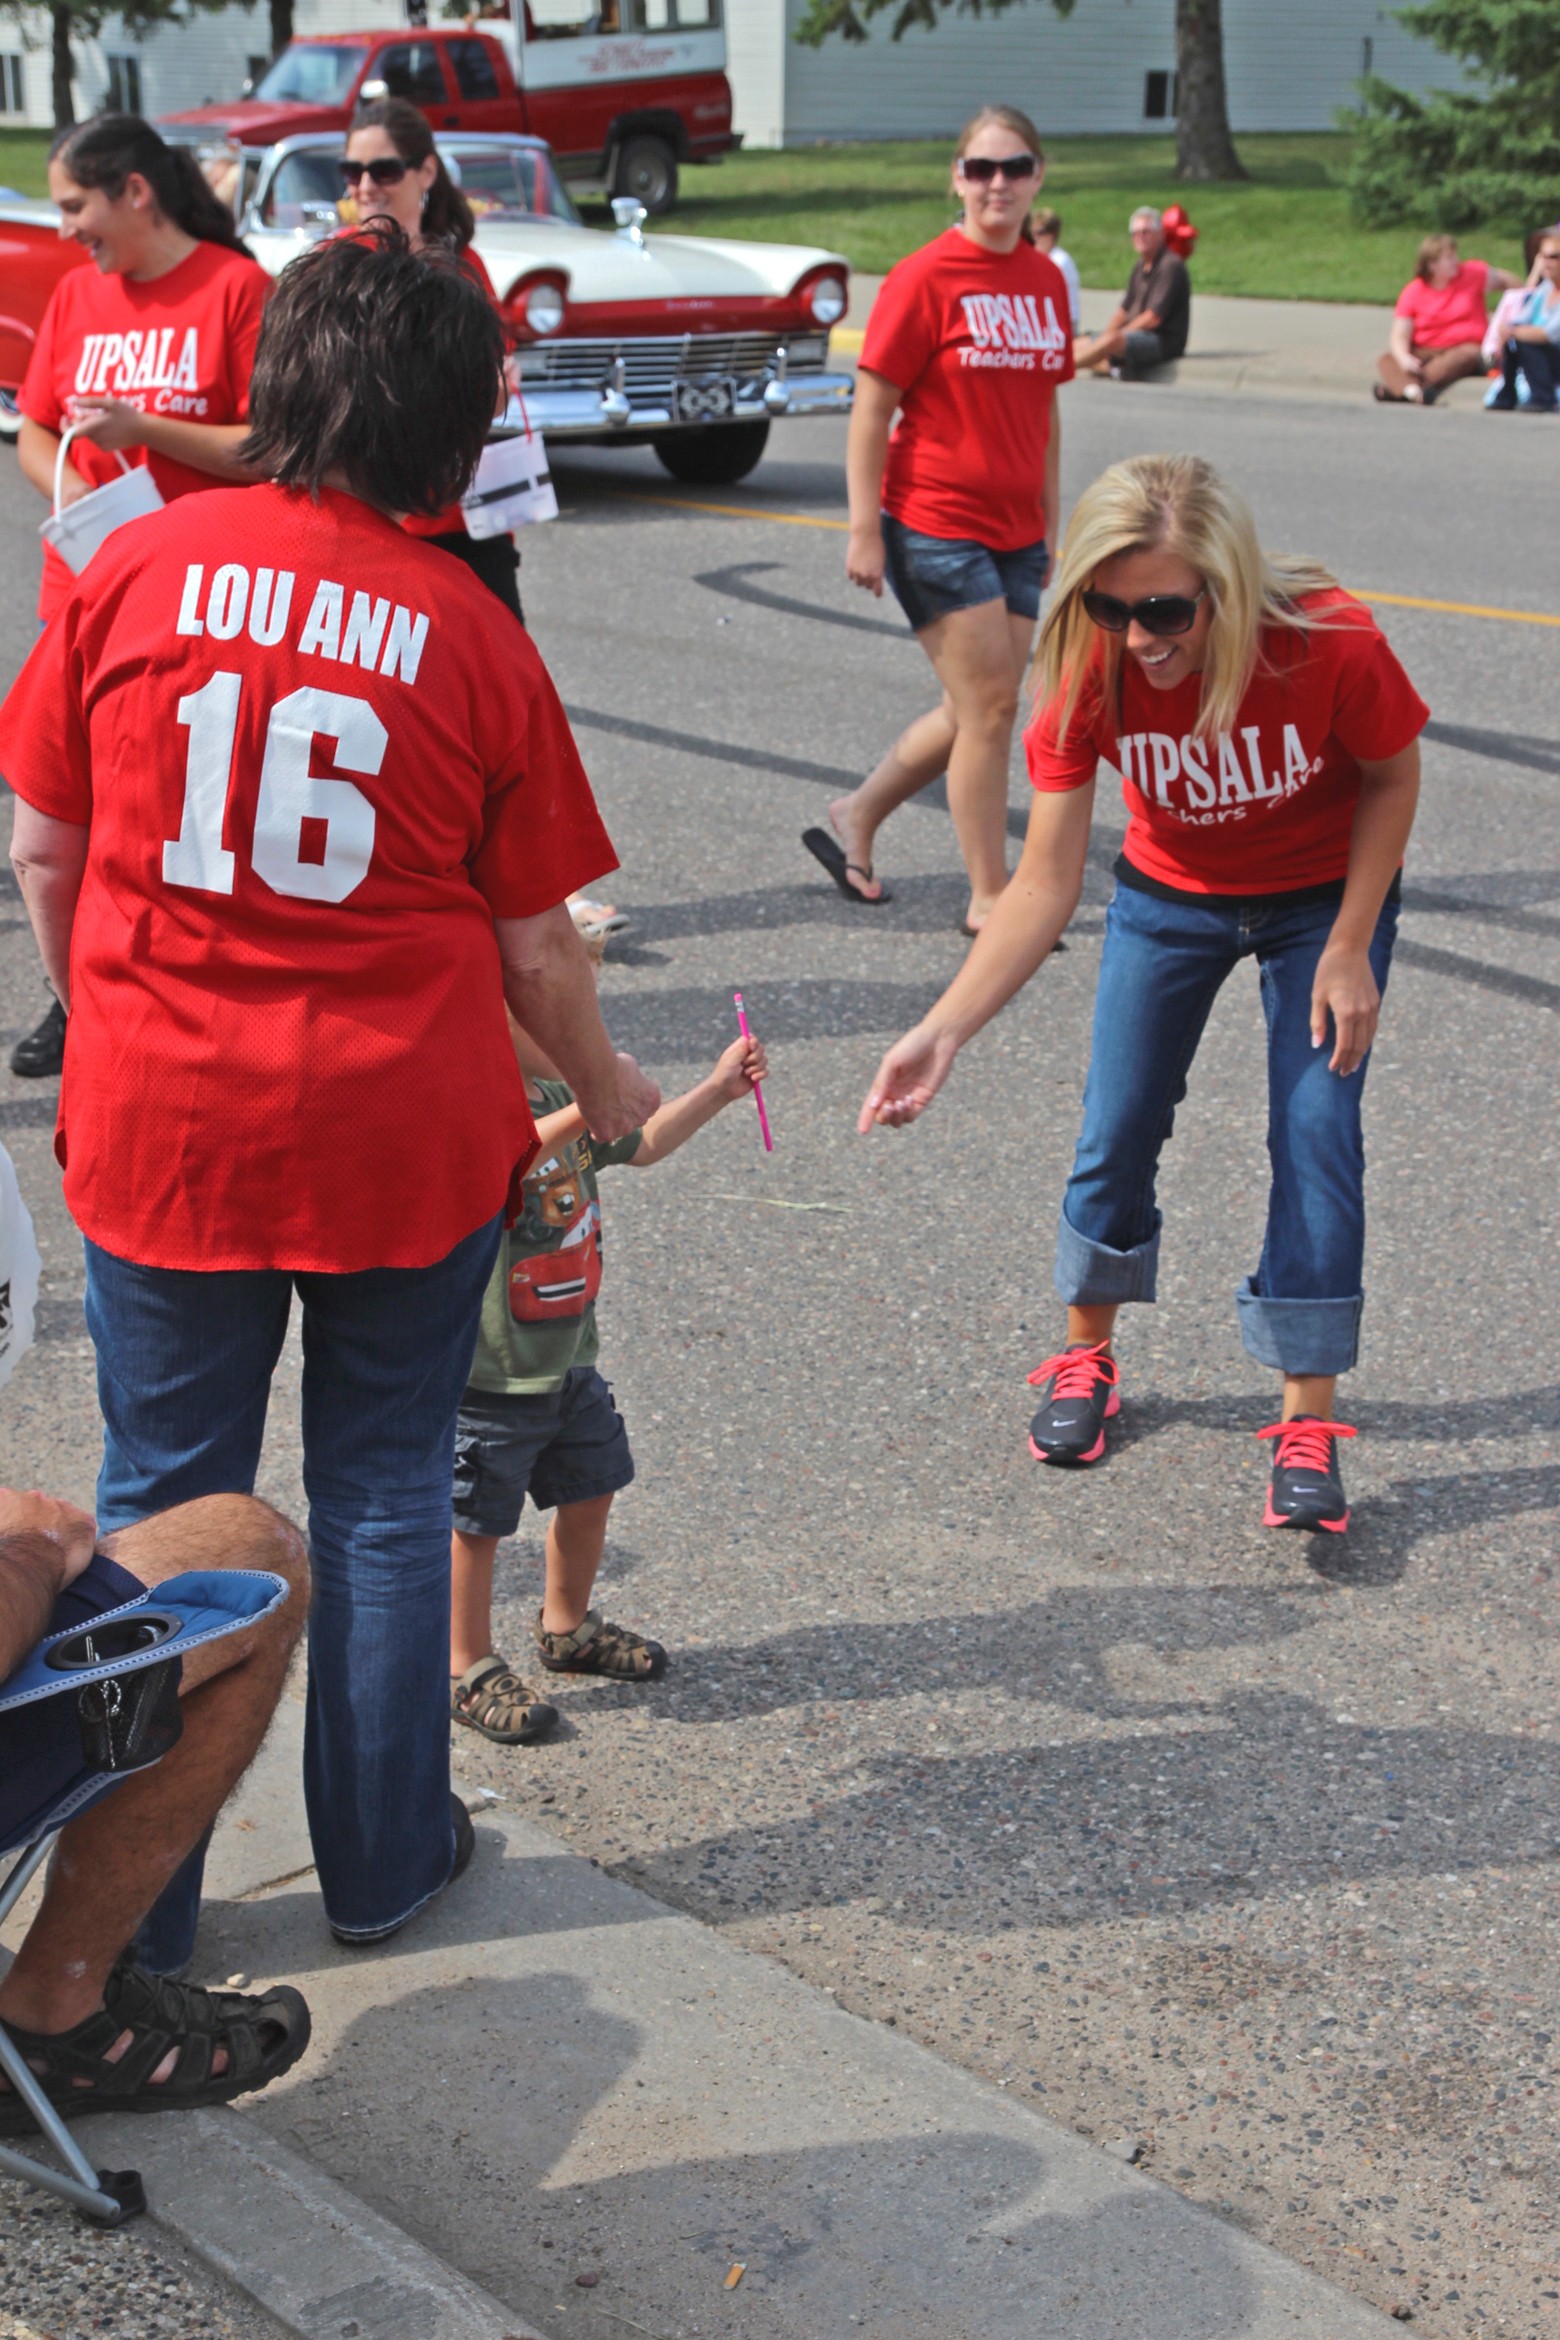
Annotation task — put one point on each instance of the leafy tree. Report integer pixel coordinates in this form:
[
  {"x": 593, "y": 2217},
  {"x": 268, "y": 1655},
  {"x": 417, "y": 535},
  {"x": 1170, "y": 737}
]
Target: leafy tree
[
  {"x": 1204, "y": 148},
  {"x": 84, "y": 19},
  {"x": 1490, "y": 153}
]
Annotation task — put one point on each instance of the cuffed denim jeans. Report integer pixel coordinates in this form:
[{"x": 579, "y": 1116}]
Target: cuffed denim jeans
[
  {"x": 1163, "y": 963},
  {"x": 184, "y": 1375}
]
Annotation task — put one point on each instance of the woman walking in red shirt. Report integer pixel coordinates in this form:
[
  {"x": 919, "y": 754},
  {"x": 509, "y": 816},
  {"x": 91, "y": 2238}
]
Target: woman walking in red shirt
[
  {"x": 1267, "y": 740},
  {"x": 968, "y": 339}
]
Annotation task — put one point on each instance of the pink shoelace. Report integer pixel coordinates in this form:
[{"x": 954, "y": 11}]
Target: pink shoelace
[
  {"x": 1077, "y": 1371},
  {"x": 1305, "y": 1445}
]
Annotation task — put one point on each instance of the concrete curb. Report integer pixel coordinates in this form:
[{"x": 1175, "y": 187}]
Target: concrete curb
[{"x": 314, "y": 2257}]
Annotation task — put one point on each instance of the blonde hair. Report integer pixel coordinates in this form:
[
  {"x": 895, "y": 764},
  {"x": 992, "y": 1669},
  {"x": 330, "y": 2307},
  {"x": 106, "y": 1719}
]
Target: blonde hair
[
  {"x": 1176, "y": 504},
  {"x": 1005, "y": 118},
  {"x": 1430, "y": 252}
]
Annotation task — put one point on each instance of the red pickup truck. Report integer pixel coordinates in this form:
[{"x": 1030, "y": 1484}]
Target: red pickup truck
[{"x": 621, "y": 106}]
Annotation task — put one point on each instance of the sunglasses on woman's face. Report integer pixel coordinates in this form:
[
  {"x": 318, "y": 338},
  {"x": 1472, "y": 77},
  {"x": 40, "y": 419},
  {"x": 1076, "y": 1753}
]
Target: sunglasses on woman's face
[
  {"x": 386, "y": 170},
  {"x": 1161, "y": 613},
  {"x": 981, "y": 168}
]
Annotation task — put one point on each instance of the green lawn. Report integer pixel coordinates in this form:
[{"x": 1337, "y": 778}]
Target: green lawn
[
  {"x": 1286, "y": 234},
  {"x": 22, "y": 158}
]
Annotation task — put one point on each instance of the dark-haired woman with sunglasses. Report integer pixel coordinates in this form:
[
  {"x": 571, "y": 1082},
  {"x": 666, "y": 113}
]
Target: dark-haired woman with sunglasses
[
  {"x": 1267, "y": 740},
  {"x": 968, "y": 340},
  {"x": 392, "y": 170}
]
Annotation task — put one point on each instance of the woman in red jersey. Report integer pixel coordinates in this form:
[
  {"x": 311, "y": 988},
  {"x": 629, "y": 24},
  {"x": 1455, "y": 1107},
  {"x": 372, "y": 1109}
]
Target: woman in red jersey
[
  {"x": 392, "y": 170},
  {"x": 968, "y": 339},
  {"x": 1267, "y": 740},
  {"x": 148, "y": 352},
  {"x": 298, "y": 812}
]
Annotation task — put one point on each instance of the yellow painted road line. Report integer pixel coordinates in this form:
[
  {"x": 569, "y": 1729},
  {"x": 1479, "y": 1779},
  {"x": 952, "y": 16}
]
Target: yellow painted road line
[
  {"x": 1478, "y": 609},
  {"x": 1511, "y": 617},
  {"x": 847, "y": 338}
]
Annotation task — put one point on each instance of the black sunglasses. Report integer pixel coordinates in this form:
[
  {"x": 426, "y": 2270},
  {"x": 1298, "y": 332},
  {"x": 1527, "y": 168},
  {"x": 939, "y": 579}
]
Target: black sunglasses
[
  {"x": 1161, "y": 613},
  {"x": 983, "y": 170},
  {"x": 386, "y": 170}
]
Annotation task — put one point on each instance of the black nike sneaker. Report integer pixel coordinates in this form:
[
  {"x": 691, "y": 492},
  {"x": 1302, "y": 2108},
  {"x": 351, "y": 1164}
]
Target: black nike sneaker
[
  {"x": 1080, "y": 1391},
  {"x": 41, "y": 1052},
  {"x": 1306, "y": 1487}
]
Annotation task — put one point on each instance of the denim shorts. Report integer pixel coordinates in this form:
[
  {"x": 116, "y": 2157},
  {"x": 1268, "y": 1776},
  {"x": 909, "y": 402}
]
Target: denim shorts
[
  {"x": 932, "y": 575},
  {"x": 42, "y": 1769},
  {"x": 564, "y": 1445}
]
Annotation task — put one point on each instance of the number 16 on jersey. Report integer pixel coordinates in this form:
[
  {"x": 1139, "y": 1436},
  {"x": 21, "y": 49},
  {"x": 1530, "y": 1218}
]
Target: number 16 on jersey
[{"x": 324, "y": 861}]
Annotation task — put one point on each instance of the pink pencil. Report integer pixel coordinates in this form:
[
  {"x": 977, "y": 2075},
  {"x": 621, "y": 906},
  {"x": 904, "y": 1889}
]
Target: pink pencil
[{"x": 758, "y": 1086}]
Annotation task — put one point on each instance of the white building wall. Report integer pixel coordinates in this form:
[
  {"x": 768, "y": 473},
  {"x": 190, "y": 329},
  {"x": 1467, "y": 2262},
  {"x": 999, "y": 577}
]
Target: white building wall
[
  {"x": 756, "y": 66},
  {"x": 1289, "y": 67}
]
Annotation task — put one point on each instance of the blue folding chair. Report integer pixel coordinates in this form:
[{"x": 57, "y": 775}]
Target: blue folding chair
[{"x": 122, "y": 1669}]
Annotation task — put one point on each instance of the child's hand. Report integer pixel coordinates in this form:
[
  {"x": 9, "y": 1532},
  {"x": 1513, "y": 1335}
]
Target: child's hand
[{"x": 743, "y": 1063}]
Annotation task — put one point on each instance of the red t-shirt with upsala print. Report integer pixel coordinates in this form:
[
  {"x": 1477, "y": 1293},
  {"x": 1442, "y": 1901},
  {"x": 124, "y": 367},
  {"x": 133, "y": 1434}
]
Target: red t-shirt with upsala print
[
  {"x": 182, "y": 345},
  {"x": 976, "y": 343},
  {"x": 1263, "y": 808},
  {"x": 316, "y": 760}
]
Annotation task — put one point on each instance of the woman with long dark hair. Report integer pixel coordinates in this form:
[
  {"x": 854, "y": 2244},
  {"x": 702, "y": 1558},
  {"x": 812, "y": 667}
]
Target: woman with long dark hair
[
  {"x": 957, "y": 506},
  {"x": 146, "y": 355},
  {"x": 392, "y": 170},
  {"x": 1267, "y": 740}
]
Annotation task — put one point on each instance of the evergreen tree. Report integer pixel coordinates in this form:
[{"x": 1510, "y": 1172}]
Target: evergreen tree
[
  {"x": 1491, "y": 153},
  {"x": 1204, "y": 148}
]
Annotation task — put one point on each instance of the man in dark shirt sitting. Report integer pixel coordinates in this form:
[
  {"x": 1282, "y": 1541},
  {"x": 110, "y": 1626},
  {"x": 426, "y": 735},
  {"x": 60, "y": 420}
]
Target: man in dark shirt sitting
[{"x": 1150, "y": 327}]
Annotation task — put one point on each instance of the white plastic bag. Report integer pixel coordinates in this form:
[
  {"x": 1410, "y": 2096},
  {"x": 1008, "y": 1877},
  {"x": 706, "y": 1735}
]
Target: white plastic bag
[
  {"x": 512, "y": 485},
  {"x": 20, "y": 1269},
  {"x": 82, "y": 528}
]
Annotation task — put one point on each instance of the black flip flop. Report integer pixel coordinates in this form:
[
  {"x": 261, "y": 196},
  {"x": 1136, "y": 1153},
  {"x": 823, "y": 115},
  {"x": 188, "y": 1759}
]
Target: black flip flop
[{"x": 827, "y": 850}]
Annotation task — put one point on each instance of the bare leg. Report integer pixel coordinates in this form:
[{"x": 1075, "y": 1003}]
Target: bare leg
[
  {"x": 112, "y": 1863},
  {"x": 1089, "y": 1326},
  {"x": 575, "y": 1543},
  {"x": 972, "y": 650},
  {"x": 918, "y": 757},
  {"x": 471, "y": 1599},
  {"x": 1310, "y": 1393},
  {"x": 1451, "y": 365}
]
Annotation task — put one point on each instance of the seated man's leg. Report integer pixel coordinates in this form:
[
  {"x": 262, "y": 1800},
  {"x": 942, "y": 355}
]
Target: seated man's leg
[
  {"x": 1142, "y": 353},
  {"x": 114, "y": 1860}
]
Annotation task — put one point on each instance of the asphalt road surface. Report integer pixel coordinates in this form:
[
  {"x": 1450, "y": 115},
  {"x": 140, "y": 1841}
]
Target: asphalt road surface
[{"x": 1239, "y": 1845}]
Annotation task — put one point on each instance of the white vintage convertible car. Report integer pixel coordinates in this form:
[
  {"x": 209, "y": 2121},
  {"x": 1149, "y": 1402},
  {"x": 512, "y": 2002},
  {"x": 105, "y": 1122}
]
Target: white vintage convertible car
[{"x": 688, "y": 343}]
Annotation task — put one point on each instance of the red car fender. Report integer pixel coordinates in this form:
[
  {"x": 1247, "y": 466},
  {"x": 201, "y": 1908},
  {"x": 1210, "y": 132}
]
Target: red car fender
[{"x": 32, "y": 261}]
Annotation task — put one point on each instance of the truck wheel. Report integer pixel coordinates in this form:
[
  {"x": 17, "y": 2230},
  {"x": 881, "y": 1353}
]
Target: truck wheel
[
  {"x": 10, "y": 418},
  {"x": 714, "y": 455},
  {"x": 646, "y": 168}
]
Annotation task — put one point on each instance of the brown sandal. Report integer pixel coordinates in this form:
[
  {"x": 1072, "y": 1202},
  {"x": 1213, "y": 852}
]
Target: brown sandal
[
  {"x": 595, "y": 1647},
  {"x": 491, "y": 1698}
]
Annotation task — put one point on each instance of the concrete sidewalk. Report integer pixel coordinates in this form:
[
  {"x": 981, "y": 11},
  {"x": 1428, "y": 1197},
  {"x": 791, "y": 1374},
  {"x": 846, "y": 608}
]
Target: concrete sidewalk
[
  {"x": 1275, "y": 349},
  {"x": 594, "y": 2109}
]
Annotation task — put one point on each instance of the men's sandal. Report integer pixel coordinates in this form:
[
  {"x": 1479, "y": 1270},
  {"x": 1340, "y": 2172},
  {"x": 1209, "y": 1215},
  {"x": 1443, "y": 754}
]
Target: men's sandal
[
  {"x": 595, "y": 1647},
  {"x": 263, "y": 2034},
  {"x": 491, "y": 1698},
  {"x": 1305, "y": 1489}
]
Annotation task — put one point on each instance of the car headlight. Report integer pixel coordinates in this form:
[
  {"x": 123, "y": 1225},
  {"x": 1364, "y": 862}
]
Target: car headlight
[
  {"x": 827, "y": 300},
  {"x": 544, "y": 308}
]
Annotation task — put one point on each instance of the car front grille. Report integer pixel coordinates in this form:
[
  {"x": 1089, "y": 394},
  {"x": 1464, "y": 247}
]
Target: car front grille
[{"x": 654, "y": 364}]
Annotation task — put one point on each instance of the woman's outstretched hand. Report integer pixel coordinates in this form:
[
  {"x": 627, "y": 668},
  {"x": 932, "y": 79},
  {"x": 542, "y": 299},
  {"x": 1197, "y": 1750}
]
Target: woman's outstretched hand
[
  {"x": 908, "y": 1078},
  {"x": 1346, "y": 990}
]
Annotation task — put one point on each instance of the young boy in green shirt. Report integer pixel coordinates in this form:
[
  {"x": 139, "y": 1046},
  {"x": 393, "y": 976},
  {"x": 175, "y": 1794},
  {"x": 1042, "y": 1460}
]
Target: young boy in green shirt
[{"x": 537, "y": 1417}]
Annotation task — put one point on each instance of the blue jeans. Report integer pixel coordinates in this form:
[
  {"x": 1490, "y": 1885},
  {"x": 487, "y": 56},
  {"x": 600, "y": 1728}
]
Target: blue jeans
[
  {"x": 1163, "y": 964},
  {"x": 184, "y": 1376}
]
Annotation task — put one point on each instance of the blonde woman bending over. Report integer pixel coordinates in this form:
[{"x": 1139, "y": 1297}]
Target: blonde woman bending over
[
  {"x": 1267, "y": 742},
  {"x": 957, "y": 507}
]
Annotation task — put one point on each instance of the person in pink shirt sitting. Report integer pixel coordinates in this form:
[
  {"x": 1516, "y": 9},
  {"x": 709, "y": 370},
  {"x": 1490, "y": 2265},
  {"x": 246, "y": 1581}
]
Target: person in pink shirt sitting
[{"x": 1438, "y": 331}]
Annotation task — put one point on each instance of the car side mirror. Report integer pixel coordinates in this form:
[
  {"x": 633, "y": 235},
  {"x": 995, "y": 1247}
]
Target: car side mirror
[
  {"x": 372, "y": 91},
  {"x": 630, "y": 216}
]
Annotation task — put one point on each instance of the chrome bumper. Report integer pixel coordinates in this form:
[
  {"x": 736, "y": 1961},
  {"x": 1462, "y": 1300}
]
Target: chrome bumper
[{"x": 603, "y": 413}]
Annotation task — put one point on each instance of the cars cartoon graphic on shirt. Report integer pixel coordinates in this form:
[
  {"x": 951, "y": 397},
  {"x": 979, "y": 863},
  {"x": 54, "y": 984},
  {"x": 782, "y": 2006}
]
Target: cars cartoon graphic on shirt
[{"x": 558, "y": 1211}]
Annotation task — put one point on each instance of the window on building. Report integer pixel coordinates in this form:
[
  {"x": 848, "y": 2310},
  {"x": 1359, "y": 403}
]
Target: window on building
[
  {"x": 13, "y": 95},
  {"x": 124, "y": 85},
  {"x": 474, "y": 72}
]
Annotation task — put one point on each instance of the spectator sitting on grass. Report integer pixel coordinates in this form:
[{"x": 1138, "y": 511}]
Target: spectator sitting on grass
[
  {"x": 1151, "y": 325},
  {"x": 1045, "y": 228},
  {"x": 1532, "y": 346},
  {"x": 1438, "y": 331}
]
